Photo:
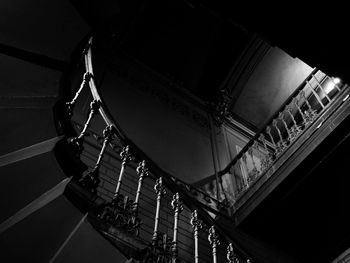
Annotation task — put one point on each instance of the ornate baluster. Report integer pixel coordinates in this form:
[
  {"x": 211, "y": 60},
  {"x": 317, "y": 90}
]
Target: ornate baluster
[
  {"x": 281, "y": 145},
  {"x": 121, "y": 211},
  {"x": 320, "y": 87},
  {"x": 196, "y": 225},
  {"x": 310, "y": 114},
  {"x": 91, "y": 180},
  {"x": 142, "y": 172},
  {"x": 231, "y": 256},
  {"x": 295, "y": 129},
  {"x": 295, "y": 102},
  {"x": 125, "y": 157},
  {"x": 70, "y": 105},
  {"x": 160, "y": 191},
  {"x": 281, "y": 116},
  {"x": 268, "y": 131},
  {"x": 268, "y": 158},
  {"x": 77, "y": 142},
  {"x": 176, "y": 205},
  {"x": 254, "y": 173},
  {"x": 214, "y": 242}
]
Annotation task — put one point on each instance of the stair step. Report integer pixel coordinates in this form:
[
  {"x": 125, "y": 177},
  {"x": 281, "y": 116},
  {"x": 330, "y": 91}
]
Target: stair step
[
  {"x": 87, "y": 245},
  {"x": 25, "y": 127},
  {"x": 21, "y": 78},
  {"x": 37, "y": 237},
  {"x": 25, "y": 181}
]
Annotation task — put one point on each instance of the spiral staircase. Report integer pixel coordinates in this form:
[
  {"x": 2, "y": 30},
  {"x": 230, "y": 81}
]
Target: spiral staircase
[{"x": 76, "y": 188}]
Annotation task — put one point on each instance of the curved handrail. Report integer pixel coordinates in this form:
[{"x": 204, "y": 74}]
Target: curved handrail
[
  {"x": 170, "y": 181},
  {"x": 290, "y": 100},
  {"x": 257, "y": 134},
  {"x": 121, "y": 135}
]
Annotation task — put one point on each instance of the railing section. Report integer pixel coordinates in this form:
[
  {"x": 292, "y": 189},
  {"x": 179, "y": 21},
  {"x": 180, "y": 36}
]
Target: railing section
[
  {"x": 301, "y": 110},
  {"x": 138, "y": 200}
]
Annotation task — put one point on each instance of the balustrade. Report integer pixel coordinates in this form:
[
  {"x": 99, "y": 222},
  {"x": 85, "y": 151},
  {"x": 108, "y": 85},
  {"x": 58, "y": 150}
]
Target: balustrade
[
  {"x": 91, "y": 180},
  {"x": 170, "y": 239},
  {"x": 119, "y": 211},
  {"x": 294, "y": 117},
  {"x": 314, "y": 96}
]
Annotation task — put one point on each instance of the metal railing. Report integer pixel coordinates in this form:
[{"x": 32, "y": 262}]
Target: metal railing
[
  {"x": 311, "y": 99},
  {"x": 139, "y": 197}
]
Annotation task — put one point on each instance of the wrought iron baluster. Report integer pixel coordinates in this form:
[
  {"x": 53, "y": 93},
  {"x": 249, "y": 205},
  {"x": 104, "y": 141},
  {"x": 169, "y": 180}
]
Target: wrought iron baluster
[
  {"x": 160, "y": 191},
  {"x": 125, "y": 157},
  {"x": 176, "y": 205},
  {"x": 142, "y": 172},
  {"x": 214, "y": 242},
  {"x": 310, "y": 114},
  {"x": 196, "y": 225},
  {"x": 91, "y": 180},
  {"x": 268, "y": 131},
  {"x": 295, "y": 102},
  {"x": 70, "y": 105},
  {"x": 267, "y": 161},
  {"x": 295, "y": 129},
  {"x": 121, "y": 211},
  {"x": 231, "y": 256},
  {"x": 281, "y": 144},
  {"x": 281, "y": 116},
  {"x": 77, "y": 142}
]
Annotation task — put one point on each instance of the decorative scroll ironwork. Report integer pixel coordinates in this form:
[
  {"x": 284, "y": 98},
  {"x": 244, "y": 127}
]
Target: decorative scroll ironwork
[
  {"x": 159, "y": 252},
  {"x": 91, "y": 180},
  {"x": 196, "y": 225},
  {"x": 231, "y": 256},
  {"x": 301, "y": 111},
  {"x": 221, "y": 107},
  {"x": 214, "y": 242},
  {"x": 121, "y": 211}
]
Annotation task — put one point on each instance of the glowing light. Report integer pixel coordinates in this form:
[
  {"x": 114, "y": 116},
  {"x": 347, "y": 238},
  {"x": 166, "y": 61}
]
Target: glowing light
[
  {"x": 336, "y": 81},
  {"x": 346, "y": 97},
  {"x": 331, "y": 84}
]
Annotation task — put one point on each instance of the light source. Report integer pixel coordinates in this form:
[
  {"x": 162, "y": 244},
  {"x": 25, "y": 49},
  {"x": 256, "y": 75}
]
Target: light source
[{"x": 331, "y": 84}]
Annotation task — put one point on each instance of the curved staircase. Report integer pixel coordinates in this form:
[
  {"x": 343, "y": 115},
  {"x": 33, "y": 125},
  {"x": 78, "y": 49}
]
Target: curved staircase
[{"x": 76, "y": 188}]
